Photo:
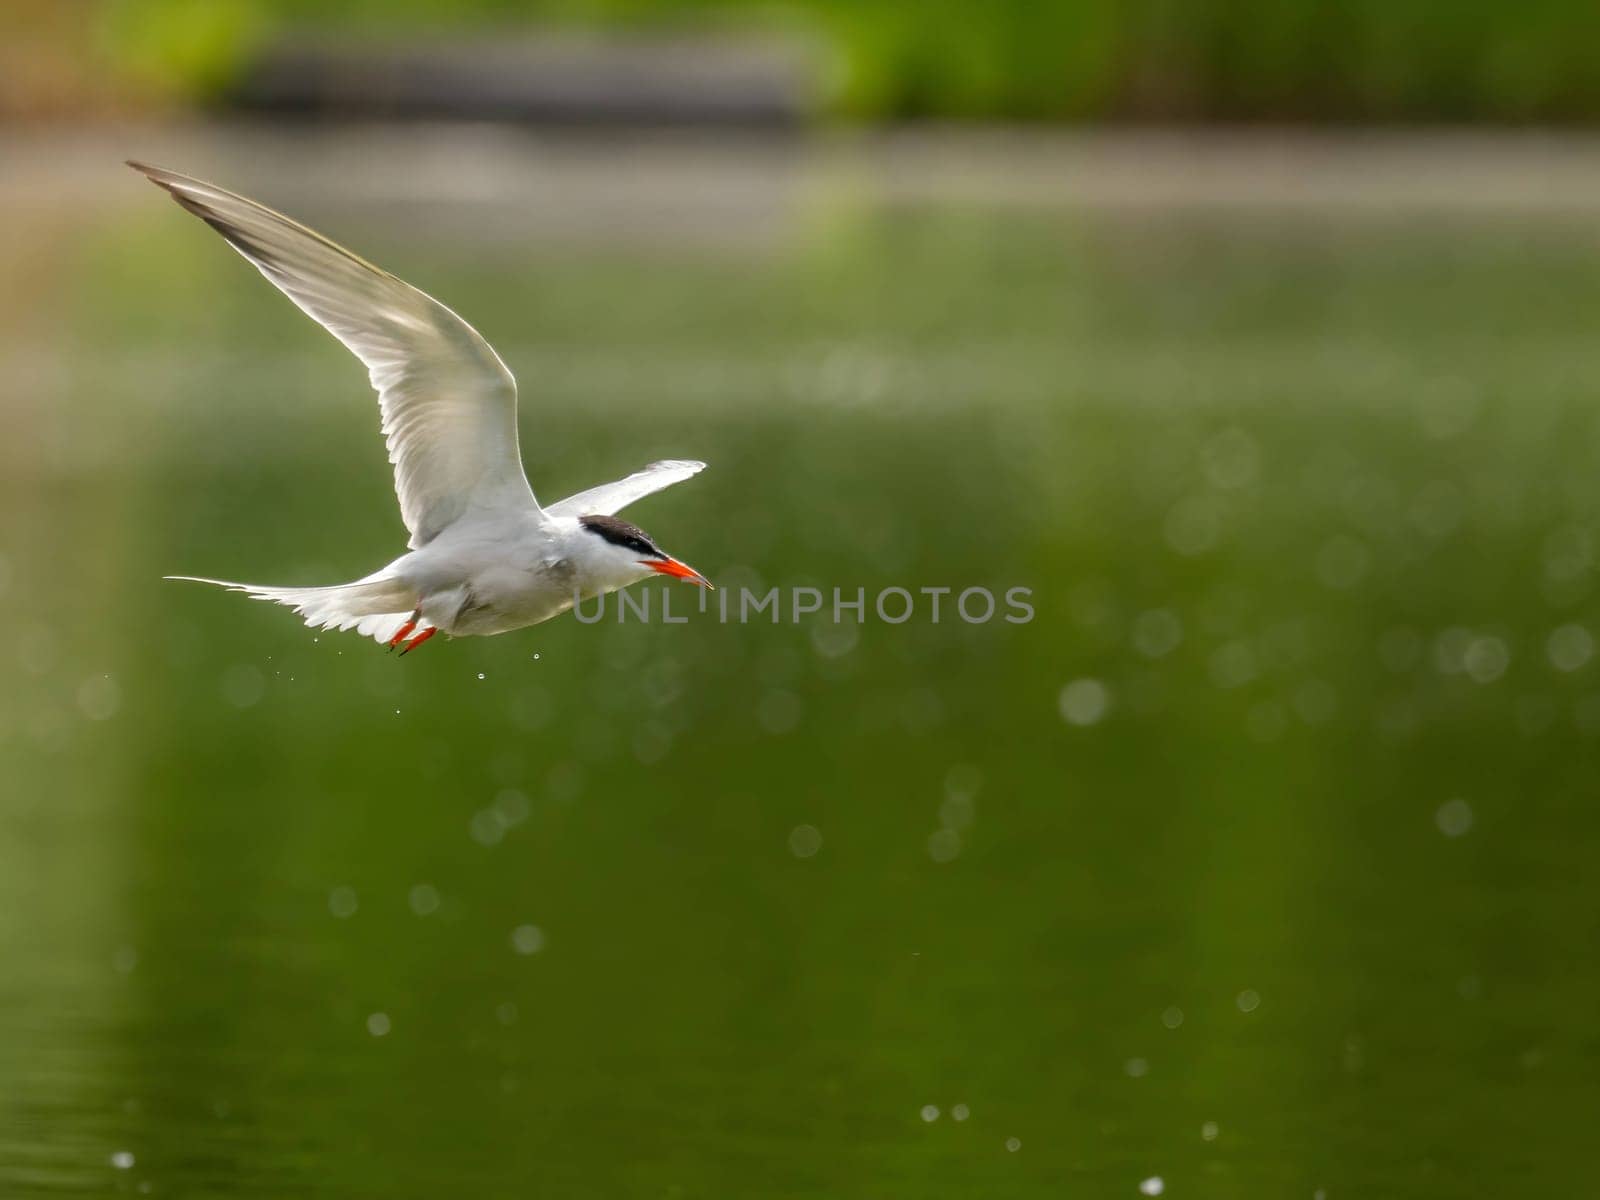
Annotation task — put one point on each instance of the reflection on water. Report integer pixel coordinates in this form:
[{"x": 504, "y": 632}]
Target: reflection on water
[{"x": 1256, "y": 863}]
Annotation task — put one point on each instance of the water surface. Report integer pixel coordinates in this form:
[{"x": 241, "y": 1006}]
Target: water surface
[{"x": 1259, "y": 862}]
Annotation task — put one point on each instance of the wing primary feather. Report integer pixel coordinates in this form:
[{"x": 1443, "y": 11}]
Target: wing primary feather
[
  {"x": 448, "y": 403},
  {"x": 606, "y": 499}
]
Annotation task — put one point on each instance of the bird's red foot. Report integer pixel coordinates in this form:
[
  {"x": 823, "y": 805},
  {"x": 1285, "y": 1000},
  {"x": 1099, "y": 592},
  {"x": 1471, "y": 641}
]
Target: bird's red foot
[
  {"x": 419, "y": 639},
  {"x": 400, "y": 634}
]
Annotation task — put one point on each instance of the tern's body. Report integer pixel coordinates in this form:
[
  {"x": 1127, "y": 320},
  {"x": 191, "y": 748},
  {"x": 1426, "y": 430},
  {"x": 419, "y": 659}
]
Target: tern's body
[
  {"x": 484, "y": 556},
  {"x": 484, "y": 577}
]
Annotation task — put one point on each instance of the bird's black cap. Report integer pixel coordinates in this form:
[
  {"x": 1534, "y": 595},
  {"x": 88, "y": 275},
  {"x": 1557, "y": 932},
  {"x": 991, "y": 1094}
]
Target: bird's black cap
[{"x": 621, "y": 533}]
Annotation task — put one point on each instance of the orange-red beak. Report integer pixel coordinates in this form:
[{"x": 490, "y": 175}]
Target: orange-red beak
[{"x": 678, "y": 570}]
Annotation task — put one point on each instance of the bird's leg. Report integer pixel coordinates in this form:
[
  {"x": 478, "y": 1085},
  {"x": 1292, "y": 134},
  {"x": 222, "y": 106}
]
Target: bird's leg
[
  {"x": 419, "y": 639},
  {"x": 400, "y": 636}
]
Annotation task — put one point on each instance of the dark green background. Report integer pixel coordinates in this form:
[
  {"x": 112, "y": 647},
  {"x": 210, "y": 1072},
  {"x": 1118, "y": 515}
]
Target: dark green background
[{"x": 1353, "y": 455}]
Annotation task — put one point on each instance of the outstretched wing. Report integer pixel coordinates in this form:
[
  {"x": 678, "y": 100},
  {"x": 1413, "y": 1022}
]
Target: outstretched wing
[
  {"x": 449, "y": 405},
  {"x": 609, "y": 498}
]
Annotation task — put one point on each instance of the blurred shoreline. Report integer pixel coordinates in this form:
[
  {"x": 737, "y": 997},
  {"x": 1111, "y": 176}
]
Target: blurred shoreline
[{"x": 694, "y": 176}]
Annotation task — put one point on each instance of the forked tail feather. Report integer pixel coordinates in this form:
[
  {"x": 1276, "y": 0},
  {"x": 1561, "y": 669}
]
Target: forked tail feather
[{"x": 374, "y": 607}]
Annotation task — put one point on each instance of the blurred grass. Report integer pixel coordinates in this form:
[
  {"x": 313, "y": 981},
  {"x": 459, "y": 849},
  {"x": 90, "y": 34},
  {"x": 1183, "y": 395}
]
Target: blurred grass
[{"x": 1365, "y": 61}]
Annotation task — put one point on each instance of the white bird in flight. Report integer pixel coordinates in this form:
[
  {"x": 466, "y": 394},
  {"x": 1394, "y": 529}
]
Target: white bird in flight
[{"x": 484, "y": 556}]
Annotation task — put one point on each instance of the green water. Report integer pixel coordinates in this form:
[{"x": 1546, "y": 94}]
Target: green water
[{"x": 1300, "y": 899}]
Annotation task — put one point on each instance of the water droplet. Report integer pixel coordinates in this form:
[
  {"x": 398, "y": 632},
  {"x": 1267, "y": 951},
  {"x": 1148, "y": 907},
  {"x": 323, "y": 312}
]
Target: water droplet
[
  {"x": 1486, "y": 659},
  {"x": 955, "y": 812},
  {"x": 930, "y": 1112},
  {"x": 342, "y": 902},
  {"x": 779, "y": 711},
  {"x": 805, "y": 841},
  {"x": 834, "y": 641},
  {"x": 378, "y": 1024},
  {"x": 963, "y": 781},
  {"x": 1172, "y": 1017},
  {"x": 1570, "y": 647},
  {"x": 1232, "y": 664},
  {"x": 527, "y": 939},
  {"x": 1316, "y": 702},
  {"x": 486, "y": 827},
  {"x": 960, "y": 1112},
  {"x": 1454, "y": 817},
  {"x": 1157, "y": 633},
  {"x": 1153, "y": 1186},
  {"x": 481, "y": 675},
  {"x": 1248, "y": 1000},
  {"x": 1136, "y": 1068},
  {"x": 1013, "y": 1144},
  {"x": 1193, "y": 525},
  {"x": 1084, "y": 702},
  {"x": 424, "y": 899},
  {"x": 944, "y": 845},
  {"x": 99, "y": 697},
  {"x": 1209, "y": 1131},
  {"x": 122, "y": 1160}
]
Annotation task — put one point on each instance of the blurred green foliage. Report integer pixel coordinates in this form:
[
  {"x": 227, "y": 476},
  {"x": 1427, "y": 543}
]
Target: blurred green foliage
[
  {"x": 193, "y": 47},
  {"x": 1235, "y": 60}
]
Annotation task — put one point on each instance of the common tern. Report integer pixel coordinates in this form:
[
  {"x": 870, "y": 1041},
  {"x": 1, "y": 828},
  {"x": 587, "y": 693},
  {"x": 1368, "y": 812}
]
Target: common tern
[{"x": 484, "y": 556}]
